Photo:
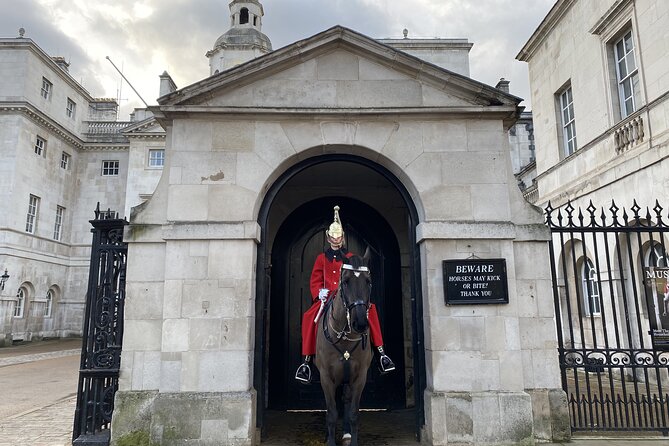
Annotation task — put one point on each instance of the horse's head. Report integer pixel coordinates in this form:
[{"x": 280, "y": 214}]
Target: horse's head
[{"x": 356, "y": 287}]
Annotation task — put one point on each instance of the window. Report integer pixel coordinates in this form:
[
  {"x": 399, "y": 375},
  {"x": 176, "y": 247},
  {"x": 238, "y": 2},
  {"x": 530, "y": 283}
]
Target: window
[
  {"x": 65, "y": 160},
  {"x": 33, "y": 209},
  {"x": 568, "y": 122},
  {"x": 47, "y": 87},
  {"x": 71, "y": 108},
  {"x": 40, "y": 146},
  {"x": 20, "y": 302},
  {"x": 591, "y": 304},
  {"x": 656, "y": 256},
  {"x": 243, "y": 16},
  {"x": 48, "y": 306},
  {"x": 109, "y": 168},
  {"x": 58, "y": 226},
  {"x": 156, "y": 158},
  {"x": 627, "y": 74}
]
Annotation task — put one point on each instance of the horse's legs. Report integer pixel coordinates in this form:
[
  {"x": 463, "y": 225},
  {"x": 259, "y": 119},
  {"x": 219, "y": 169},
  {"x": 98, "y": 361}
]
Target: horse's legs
[
  {"x": 329, "y": 390},
  {"x": 353, "y": 409},
  {"x": 346, "y": 397}
]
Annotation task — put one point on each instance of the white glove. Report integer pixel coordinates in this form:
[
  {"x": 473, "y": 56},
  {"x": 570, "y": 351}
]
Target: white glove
[{"x": 323, "y": 294}]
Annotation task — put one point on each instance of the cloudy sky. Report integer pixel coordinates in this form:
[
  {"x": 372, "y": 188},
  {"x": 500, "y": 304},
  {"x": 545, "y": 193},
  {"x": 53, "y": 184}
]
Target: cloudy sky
[{"x": 146, "y": 37}]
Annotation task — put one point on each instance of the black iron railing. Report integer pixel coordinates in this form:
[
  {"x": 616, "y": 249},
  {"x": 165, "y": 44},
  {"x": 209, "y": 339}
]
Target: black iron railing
[
  {"x": 103, "y": 331},
  {"x": 608, "y": 271}
]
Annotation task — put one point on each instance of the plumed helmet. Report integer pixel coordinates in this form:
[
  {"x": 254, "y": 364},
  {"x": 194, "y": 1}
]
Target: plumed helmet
[{"x": 336, "y": 229}]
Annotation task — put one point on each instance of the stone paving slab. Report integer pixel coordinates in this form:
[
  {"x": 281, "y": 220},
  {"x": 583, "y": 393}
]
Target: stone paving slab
[
  {"x": 51, "y": 425},
  {"x": 22, "y": 359},
  {"x": 47, "y": 426}
]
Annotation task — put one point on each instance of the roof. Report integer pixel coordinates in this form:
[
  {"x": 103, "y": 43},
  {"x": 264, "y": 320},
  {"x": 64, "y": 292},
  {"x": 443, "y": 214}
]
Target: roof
[{"x": 339, "y": 37}]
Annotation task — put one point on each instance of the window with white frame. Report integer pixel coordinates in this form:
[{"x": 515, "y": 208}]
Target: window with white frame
[
  {"x": 19, "y": 308},
  {"x": 567, "y": 120},
  {"x": 656, "y": 256},
  {"x": 627, "y": 74},
  {"x": 31, "y": 218},
  {"x": 40, "y": 146},
  {"x": 110, "y": 168},
  {"x": 156, "y": 158},
  {"x": 58, "y": 225},
  {"x": 65, "y": 160},
  {"x": 71, "y": 108},
  {"x": 47, "y": 88},
  {"x": 48, "y": 304},
  {"x": 591, "y": 304}
]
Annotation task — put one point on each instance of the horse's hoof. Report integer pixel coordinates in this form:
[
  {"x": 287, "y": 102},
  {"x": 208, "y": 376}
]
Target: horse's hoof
[{"x": 346, "y": 440}]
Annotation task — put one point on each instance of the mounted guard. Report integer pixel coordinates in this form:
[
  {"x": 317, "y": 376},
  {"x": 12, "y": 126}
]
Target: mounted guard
[{"x": 325, "y": 277}]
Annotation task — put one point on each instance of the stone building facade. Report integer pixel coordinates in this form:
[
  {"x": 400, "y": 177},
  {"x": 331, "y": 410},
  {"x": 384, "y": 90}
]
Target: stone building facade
[
  {"x": 417, "y": 156},
  {"x": 598, "y": 73},
  {"x": 63, "y": 152},
  {"x": 599, "y": 77}
]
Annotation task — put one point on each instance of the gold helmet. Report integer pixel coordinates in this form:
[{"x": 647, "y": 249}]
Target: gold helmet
[{"x": 335, "y": 233}]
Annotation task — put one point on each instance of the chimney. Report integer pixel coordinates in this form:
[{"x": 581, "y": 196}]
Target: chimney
[
  {"x": 61, "y": 62},
  {"x": 167, "y": 85},
  {"x": 503, "y": 85}
]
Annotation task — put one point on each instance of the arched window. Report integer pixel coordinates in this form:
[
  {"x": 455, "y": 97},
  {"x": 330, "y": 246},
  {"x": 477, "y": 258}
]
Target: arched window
[
  {"x": 20, "y": 302},
  {"x": 655, "y": 256},
  {"x": 48, "y": 306},
  {"x": 255, "y": 20},
  {"x": 243, "y": 16},
  {"x": 591, "y": 304}
]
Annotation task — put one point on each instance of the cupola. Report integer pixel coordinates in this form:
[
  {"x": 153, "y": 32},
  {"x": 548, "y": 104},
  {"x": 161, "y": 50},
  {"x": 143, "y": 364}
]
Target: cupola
[{"x": 244, "y": 40}]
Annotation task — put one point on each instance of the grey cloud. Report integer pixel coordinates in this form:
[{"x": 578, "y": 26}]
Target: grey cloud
[
  {"x": 179, "y": 32},
  {"x": 31, "y": 16}
]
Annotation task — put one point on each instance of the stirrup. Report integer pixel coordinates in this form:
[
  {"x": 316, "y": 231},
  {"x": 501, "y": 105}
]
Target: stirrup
[
  {"x": 386, "y": 364},
  {"x": 303, "y": 374}
]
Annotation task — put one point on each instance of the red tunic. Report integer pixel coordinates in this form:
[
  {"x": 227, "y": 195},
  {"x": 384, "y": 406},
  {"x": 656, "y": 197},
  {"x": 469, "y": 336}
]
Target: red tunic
[{"x": 325, "y": 274}]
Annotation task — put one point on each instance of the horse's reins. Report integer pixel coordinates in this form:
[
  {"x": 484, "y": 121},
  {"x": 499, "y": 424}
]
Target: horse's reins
[{"x": 343, "y": 334}]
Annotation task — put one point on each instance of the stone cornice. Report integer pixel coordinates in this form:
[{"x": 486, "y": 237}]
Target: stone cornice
[
  {"x": 610, "y": 16},
  {"x": 34, "y": 114},
  {"x": 29, "y": 44},
  {"x": 102, "y": 147},
  {"x": 444, "y": 230},
  {"x": 428, "y": 44},
  {"x": 507, "y": 113},
  {"x": 159, "y": 233},
  {"x": 543, "y": 30},
  {"x": 146, "y": 136},
  {"x": 505, "y": 110}
]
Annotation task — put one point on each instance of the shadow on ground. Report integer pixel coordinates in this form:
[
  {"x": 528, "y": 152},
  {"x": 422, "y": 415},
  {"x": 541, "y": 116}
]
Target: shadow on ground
[{"x": 395, "y": 428}]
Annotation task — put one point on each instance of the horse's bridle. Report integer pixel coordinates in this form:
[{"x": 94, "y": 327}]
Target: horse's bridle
[
  {"x": 351, "y": 306},
  {"x": 348, "y": 306}
]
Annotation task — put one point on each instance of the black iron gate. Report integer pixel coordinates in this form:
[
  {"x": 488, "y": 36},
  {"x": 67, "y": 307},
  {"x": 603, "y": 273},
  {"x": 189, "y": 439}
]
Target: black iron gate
[
  {"x": 612, "y": 313},
  {"x": 103, "y": 331}
]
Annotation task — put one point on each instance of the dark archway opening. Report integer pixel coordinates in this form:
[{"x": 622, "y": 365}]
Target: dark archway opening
[
  {"x": 376, "y": 211},
  {"x": 300, "y": 239}
]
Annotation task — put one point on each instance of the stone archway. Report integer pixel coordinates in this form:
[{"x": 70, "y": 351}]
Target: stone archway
[{"x": 305, "y": 194}]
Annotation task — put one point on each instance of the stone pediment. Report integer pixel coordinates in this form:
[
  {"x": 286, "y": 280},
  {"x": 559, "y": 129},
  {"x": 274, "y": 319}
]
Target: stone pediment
[
  {"x": 148, "y": 126},
  {"x": 337, "y": 69}
]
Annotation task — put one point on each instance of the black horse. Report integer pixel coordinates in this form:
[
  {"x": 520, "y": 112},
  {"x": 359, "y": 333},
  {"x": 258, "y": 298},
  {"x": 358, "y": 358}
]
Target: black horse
[{"x": 343, "y": 354}]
